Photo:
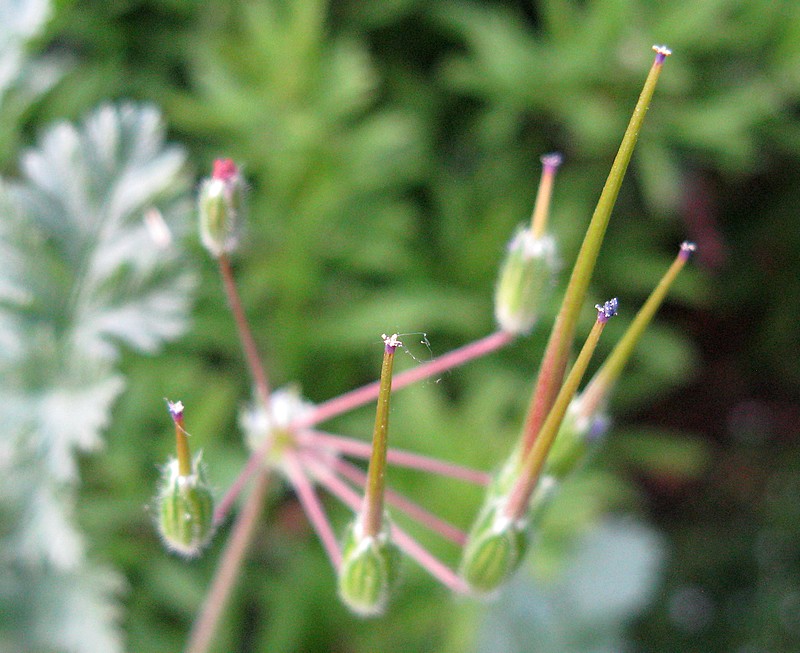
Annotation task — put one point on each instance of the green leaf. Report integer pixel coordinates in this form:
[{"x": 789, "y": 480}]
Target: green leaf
[{"x": 83, "y": 276}]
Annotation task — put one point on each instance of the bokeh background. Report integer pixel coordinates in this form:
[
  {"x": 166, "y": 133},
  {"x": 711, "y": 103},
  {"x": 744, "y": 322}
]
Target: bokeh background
[{"x": 391, "y": 148}]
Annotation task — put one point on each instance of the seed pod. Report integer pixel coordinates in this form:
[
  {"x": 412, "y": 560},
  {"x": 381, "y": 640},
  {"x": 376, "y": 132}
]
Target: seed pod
[
  {"x": 185, "y": 510},
  {"x": 570, "y": 446},
  {"x": 546, "y": 488},
  {"x": 221, "y": 202},
  {"x": 368, "y": 571},
  {"x": 526, "y": 281},
  {"x": 494, "y": 550}
]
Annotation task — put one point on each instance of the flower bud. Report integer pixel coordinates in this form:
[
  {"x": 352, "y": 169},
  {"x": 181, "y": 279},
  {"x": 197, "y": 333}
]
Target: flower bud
[
  {"x": 262, "y": 423},
  {"x": 185, "y": 510},
  {"x": 494, "y": 550},
  {"x": 526, "y": 281},
  {"x": 220, "y": 205},
  {"x": 368, "y": 572}
]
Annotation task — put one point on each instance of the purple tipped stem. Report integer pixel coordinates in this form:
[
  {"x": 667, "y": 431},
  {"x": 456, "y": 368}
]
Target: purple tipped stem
[
  {"x": 687, "y": 249},
  {"x": 541, "y": 206},
  {"x": 607, "y": 310},
  {"x": 175, "y": 410},
  {"x": 181, "y": 441},
  {"x": 662, "y": 52},
  {"x": 372, "y": 512},
  {"x": 551, "y": 161},
  {"x": 391, "y": 342}
]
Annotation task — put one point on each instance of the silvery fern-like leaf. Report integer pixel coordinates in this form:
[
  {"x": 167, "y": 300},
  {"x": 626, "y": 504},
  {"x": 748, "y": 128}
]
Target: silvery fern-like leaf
[
  {"x": 89, "y": 191},
  {"x": 25, "y": 74},
  {"x": 20, "y": 20},
  {"x": 84, "y": 274},
  {"x": 73, "y": 601}
]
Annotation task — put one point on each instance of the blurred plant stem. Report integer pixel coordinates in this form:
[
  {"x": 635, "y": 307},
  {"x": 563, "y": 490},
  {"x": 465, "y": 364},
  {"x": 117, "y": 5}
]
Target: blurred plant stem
[{"x": 205, "y": 625}]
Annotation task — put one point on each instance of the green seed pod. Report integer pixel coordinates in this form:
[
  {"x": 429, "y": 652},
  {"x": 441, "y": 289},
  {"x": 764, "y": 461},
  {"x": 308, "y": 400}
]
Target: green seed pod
[
  {"x": 221, "y": 202},
  {"x": 545, "y": 490},
  {"x": 574, "y": 441},
  {"x": 526, "y": 281},
  {"x": 494, "y": 550},
  {"x": 185, "y": 510},
  {"x": 368, "y": 572},
  {"x": 570, "y": 446}
]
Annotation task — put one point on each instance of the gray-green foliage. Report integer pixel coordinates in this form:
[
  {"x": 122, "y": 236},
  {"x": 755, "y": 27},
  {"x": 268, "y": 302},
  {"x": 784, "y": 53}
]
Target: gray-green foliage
[
  {"x": 23, "y": 77},
  {"x": 19, "y": 22},
  {"x": 82, "y": 279}
]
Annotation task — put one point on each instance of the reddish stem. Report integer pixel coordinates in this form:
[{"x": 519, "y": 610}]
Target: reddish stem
[
  {"x": 245, "y": 334},
  {"x": 365, "y": 394},
  {"x": 313, "y": 508},
  {"x": 359, "y": 449},
  {"x": 225, "y": 577},
  {"x": 411, "y": 508}
]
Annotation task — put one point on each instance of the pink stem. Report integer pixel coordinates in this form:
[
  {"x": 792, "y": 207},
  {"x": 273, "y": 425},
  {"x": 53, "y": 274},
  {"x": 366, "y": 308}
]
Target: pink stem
[
  {"x": 412, "y": 509},
  {"x": 253, "y": 464},
  {"x": 429, "y": 562},
  {"x": 204, "y": 627},
  {"x": 397, "y": 457},
  {"x": 365, "y": 394},
  {"x": 313, "y": 508},
  {"x": 426, "y": 560},
  {"x": 257, "y": 370}
]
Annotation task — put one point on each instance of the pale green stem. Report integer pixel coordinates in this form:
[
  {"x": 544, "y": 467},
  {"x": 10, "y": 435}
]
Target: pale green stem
[
  {"x": 411, "y": 547},
  {"x": 181, "y": 439},
  {"x": 541, "y": 207},
  {"x": 604, "y": 379},
  {"x": 533, "y": 462},
  {"x": 182, "y": 447},
  {"x": 557, "y": 353},
  {"x": 372, "y": 511}
]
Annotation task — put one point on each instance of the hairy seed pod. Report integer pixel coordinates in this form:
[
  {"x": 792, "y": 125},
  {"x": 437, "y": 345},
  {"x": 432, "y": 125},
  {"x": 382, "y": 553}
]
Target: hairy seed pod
[
  {"x": 574, "y": 442},
  {"x": 185, "y": 510},
  {"x": 570, "y": 446},
  {"x": 494, "y": 550},
  {"x": 221, "y": 202},
  {"x": 526, "y": 282},
  {"x": 368, "y": 571}
]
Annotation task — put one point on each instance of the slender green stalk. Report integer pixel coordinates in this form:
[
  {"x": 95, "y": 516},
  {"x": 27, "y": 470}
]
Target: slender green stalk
[
  {"x": 369, "y": 566},
  {"x": 603, "y": 381},
  {"x": 533, "y": 462},
  {"x": 372, "y": 511},
  {"x": 181, "y": 441},
  {"x": 541, "y": 207},
  {"x": 551, "y": 372}
]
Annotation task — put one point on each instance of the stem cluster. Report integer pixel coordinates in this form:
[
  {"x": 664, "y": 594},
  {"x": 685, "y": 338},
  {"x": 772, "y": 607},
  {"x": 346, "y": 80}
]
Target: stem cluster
[{"x": 281, "y": 427}]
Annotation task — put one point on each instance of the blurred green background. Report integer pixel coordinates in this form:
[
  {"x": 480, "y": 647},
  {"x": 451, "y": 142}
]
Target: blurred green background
[{"x": 392, "y": 147}]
